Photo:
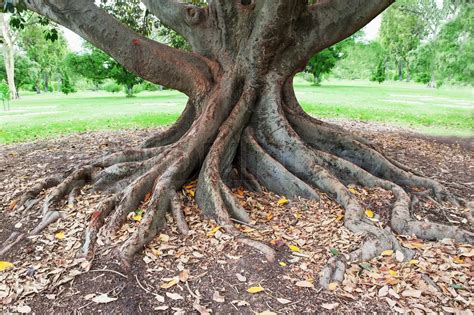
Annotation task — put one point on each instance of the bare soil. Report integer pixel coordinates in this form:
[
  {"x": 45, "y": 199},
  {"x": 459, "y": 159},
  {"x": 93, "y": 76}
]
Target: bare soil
[{"x": 210, "y": 272}]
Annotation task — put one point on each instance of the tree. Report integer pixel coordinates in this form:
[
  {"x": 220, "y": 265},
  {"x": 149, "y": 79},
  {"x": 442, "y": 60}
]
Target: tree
[
  {"x": 47, "y": 49},
  {"x": 324, "y": 61},
  {"x": 91, "y": 65},
  {"x": 26, "y": 71},
  {"x": 97, "y": 66},
  {"x": 242, "y": 124},
  {"x": 400, "y": 33},
  {"x": 379, "y": 73},
  {"x": 8, "y": 41},
  {"x": 360, "y": 61}
]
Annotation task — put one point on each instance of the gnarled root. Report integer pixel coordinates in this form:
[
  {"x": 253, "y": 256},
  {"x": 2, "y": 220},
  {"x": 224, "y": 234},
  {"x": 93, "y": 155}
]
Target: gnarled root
[{"x": 262, "y": 138}]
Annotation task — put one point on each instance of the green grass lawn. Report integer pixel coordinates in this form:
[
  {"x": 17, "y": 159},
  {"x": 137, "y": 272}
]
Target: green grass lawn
[{"x": 445, "y": 111}]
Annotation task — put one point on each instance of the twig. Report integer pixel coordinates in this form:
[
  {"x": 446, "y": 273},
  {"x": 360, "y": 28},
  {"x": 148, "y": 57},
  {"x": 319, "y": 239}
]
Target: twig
[
  {"x": 141, "y": 286},
  {"x": 108, "y": 270},
  {"x": 191, "y": 292}
]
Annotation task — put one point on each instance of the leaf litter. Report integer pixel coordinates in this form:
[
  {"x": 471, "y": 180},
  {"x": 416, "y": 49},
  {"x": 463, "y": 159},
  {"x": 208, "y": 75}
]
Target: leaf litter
[{"x": 209, "y": 270}]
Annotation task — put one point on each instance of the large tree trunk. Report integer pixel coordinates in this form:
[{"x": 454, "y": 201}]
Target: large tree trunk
[
  {"x": 8, "y": 56},
  {"x": 242, "y": 126}
]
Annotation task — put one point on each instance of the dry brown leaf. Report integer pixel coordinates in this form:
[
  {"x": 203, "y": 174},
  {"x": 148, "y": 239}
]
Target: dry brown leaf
[
  {"x": 217, "y": 297},
  {"x": 329, "y": 306}
]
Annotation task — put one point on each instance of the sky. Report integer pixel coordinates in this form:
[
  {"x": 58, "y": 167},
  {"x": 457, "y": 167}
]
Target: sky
[{"x": 75, "y": 41}]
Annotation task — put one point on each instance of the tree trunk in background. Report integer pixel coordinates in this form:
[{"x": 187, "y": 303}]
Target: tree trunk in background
[
  {"x": 8, "y": 55},
  {"x": 46, "y": 82},
  {"x": 400, "y": 71}
]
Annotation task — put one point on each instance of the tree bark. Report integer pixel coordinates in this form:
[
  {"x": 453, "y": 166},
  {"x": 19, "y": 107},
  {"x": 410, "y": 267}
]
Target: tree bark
[
  {"x": 242, "y": 125},
  {"x": 8, "y": 56}
]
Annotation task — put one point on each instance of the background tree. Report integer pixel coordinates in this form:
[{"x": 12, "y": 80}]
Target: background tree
[
  {"x": 47, "y": 49},
  {"x": 242, "y": 125},
  {"x": 26, "y": 72},
  {"x": 400, "y": 33},
  {"x": 8, "y": 42},
  {"x": 324, "y": 61}
]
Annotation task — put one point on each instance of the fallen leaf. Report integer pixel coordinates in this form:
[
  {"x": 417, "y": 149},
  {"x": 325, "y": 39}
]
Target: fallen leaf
[
  {"x": 399, "y": 256},
  {"x": 169, "y": 284},
  {"x": 255, "y": 289},
  {"x": 184, "y": 275},
  {"x": 339, "y": 217},
  {"x": 393, "y": 273},
  {"x": 383, "y": 291},
  {"x": 103, "y": 299},
  {"x": 24, "y": 309},
  {"x": 283, "y": 264},
  {"x": 269, "y": 216},
  {"x": 334, "y": 251},
  {"x": 267, "y": 313},
  {"x": 137, "y": 217},
  {"x": 332, "y": 286},
  {"x": 282, "y": 201},
  {"x": 413, "y": 262},
  {"x": 352, "y": 190},
  {"x": 304, "y": 284},
  {"x": 387, "y": 252},
  {"x": 213, "y": 231},
  {"x": 217, "y": 297},
  {"x": 174, "y": 296},
  {"x": 160, "y": 298},
  {"x": 411, "y": 293},
  {"x": 294, "y": 248},
  {"x": 283, "y": 301},
  {"x": 5, "y": 265},
  {"x": 329, "y": 306},
  {"x": 60, "y": 235},
  {"x": 201, "y": 309},
  {"x": 458, "y": 260},
  {"x": 241, "y": 277},
  {"x": 369, "y": 213},
  {"x": 161, "y": 308}
]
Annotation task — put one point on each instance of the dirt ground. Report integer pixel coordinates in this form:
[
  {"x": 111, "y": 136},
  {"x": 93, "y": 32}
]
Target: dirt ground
[{"x": 207, "y": 271}]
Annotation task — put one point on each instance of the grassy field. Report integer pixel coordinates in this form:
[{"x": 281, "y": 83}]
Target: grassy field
[{"x": 445, "y": 111}]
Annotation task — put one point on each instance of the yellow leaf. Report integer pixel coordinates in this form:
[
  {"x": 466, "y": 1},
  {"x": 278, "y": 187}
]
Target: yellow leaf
[
  {"x": 137, "y": 217},
  {"x": 388, "y": 252},
  {"x": 294, "y": 248},
  {"x": 282, "y": 201},
  {"x": 168, "y": 285},
  {"x": 352, "y": 190},
  {"x": 190, "y": 192},
  {"x": 269, "y": 216},
  {"x": 332, "y": 286},
  {"x": 60, "y": 235},
  {"x": 413, "y": 262},
  {"x": 255, "y": 289},
  {"x": 458, "y": 260},
  {"x": 213, "y": 231},
  {"x": 339, "y": 217},
  {"x": 282, "y": 263},
  {"x": 4, "y": 265},
  {"x": 369, "y": 213},
  {"x": 393, "y": 273}
]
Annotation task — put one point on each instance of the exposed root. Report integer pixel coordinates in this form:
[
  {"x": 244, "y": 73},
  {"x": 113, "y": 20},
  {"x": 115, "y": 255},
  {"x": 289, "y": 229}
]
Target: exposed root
[
  {"x": 11, "y": 241},
  {"x": 28, "y": 199},
  {"x": 256, "y": 136},
  {"x": 271, "y": 173},
  {"x": 178, "y": 214},
  {"x": 95, "y": 223}
]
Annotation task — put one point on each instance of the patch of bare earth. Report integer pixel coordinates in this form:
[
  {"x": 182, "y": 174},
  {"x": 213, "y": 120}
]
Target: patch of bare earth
[{"x": 207, "y": 271}]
